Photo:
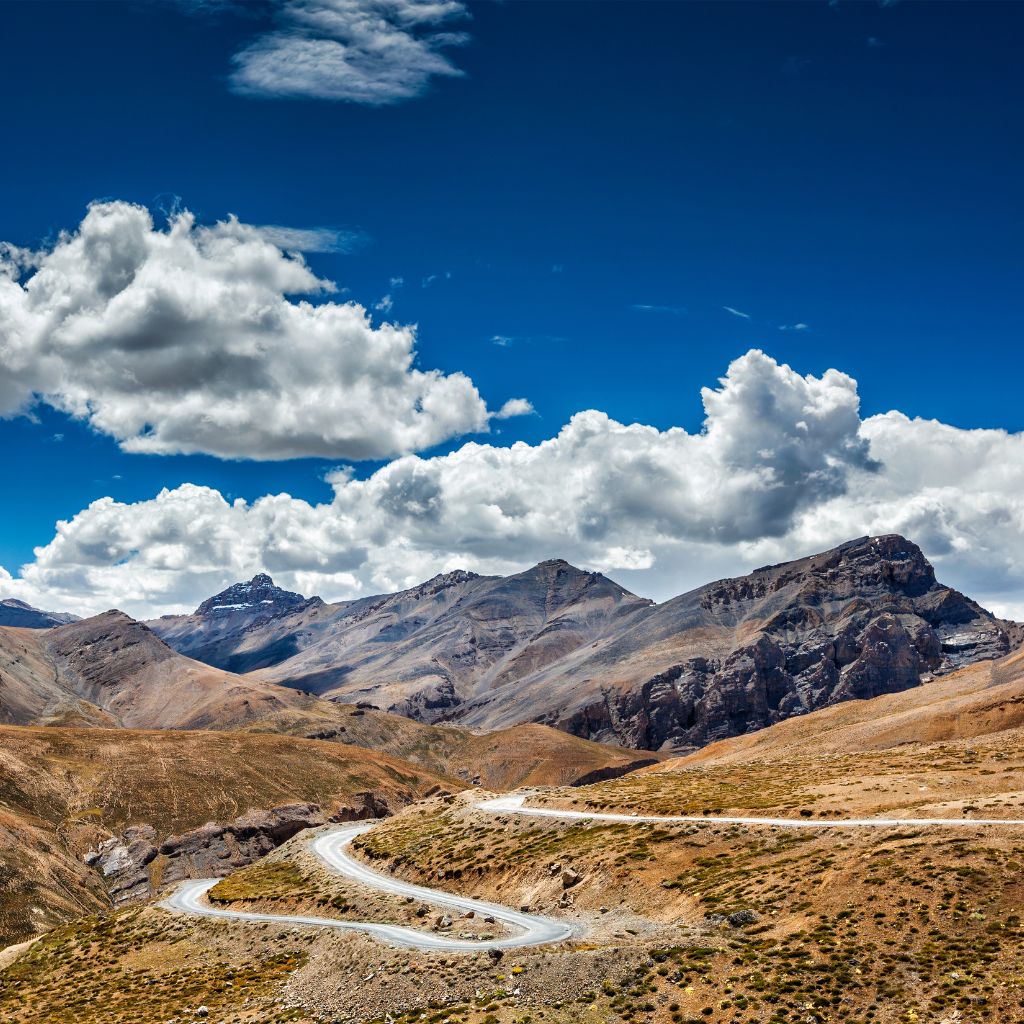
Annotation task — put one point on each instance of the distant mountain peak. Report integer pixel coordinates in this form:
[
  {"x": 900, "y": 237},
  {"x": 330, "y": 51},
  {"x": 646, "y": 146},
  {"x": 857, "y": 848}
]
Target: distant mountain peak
[
  {"x": 17, "y": 613},
  {"x": 259, "y": 595}
]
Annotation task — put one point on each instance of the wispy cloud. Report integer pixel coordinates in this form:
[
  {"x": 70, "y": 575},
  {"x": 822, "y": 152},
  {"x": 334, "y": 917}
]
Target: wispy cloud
[
  {"x": 431, "y": 278},
  {"x": 313, "y": 239},
  {"x": 643, "y": 307},
  {"x": 794, "y": 327},
  {"x": 506, "y": 340},
  {"x": 736, "y": 312},
  {"x": 385, "y": 304},
  {"x": 373, "y": 52}
]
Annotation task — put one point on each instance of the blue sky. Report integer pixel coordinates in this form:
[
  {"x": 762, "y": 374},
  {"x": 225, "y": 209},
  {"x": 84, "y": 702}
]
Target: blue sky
[{"x": 609, "y": 205}]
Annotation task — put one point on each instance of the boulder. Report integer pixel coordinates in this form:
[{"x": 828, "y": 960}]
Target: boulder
[{"x": 743, "y": 917}]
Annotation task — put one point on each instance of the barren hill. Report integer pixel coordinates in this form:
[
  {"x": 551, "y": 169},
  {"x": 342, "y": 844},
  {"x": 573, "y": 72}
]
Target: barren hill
[{"x": 112, "y": 671}]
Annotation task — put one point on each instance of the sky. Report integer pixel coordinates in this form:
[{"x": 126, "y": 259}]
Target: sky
[{"x": 358, "y": 291}]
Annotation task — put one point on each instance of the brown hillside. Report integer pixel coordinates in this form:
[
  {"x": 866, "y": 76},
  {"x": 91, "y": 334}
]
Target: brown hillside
[{"x": 63, "y": 791}]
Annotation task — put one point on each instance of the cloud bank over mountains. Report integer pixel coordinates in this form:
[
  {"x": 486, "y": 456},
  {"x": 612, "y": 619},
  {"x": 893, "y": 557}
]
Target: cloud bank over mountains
[
  {"x": 783, "y": 466},
  {"x": 189, "y": 339}
]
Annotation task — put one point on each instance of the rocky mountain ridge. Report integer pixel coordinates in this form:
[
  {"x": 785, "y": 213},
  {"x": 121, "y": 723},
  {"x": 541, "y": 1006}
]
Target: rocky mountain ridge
[
  {"x": 574, "y": 650},
  {"x": 855, "y": 622},
  {"x": 208, "y": 633}
]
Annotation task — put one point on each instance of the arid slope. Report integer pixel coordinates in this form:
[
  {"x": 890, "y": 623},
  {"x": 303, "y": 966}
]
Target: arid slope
[
  {"x": 64, "y": 791},
  {"x": 113, "y": 671}
]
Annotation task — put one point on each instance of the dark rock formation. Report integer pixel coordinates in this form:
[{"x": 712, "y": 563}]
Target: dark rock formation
[
  {"x": 258, "y": 595},
  {"x": 864, "y": 619}
]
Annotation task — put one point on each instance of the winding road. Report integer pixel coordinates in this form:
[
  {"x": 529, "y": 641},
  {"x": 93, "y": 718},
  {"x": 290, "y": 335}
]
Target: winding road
[
  {"x": 332, "y": 848},
  {"x": 528, "y": 929}
]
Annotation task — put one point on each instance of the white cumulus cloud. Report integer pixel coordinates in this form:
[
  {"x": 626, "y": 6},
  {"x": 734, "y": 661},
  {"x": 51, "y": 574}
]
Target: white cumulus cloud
[
  {"x": 783, "y": 466},
  {"x": 190, "y": 339}
]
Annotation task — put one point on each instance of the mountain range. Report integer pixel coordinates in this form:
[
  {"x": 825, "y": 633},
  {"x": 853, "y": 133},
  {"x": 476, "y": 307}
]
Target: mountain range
[
  {"x": 554, "y": 646},
  {"x": 110, "y": 671},
  {"x": 24, "y": 616},
  {"x": 195, "y": 743},
  {"x": 573, "y": 649}
]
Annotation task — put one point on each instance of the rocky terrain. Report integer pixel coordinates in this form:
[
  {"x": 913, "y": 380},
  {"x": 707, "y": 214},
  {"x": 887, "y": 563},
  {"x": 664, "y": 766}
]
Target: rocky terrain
[
  {"x": 678, "y": 922},
  {"x": 574, "y": 650},
  {"x": 24, "y": 616}
]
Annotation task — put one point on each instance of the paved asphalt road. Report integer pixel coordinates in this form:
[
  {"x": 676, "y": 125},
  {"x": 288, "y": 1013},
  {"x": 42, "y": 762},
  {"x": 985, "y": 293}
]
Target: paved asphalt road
[
  {"x": 332, "y": 848},
  {"x": 528, "y": 929},
  {"x": 514, "y": 805}
]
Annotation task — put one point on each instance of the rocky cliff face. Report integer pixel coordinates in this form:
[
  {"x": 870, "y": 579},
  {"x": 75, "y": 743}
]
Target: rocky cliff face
[{"x": 863, "y": 619}]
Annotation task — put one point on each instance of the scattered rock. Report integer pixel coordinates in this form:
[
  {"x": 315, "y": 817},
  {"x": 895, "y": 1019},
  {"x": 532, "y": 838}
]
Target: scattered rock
[{"x": 742, "y": 917}]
